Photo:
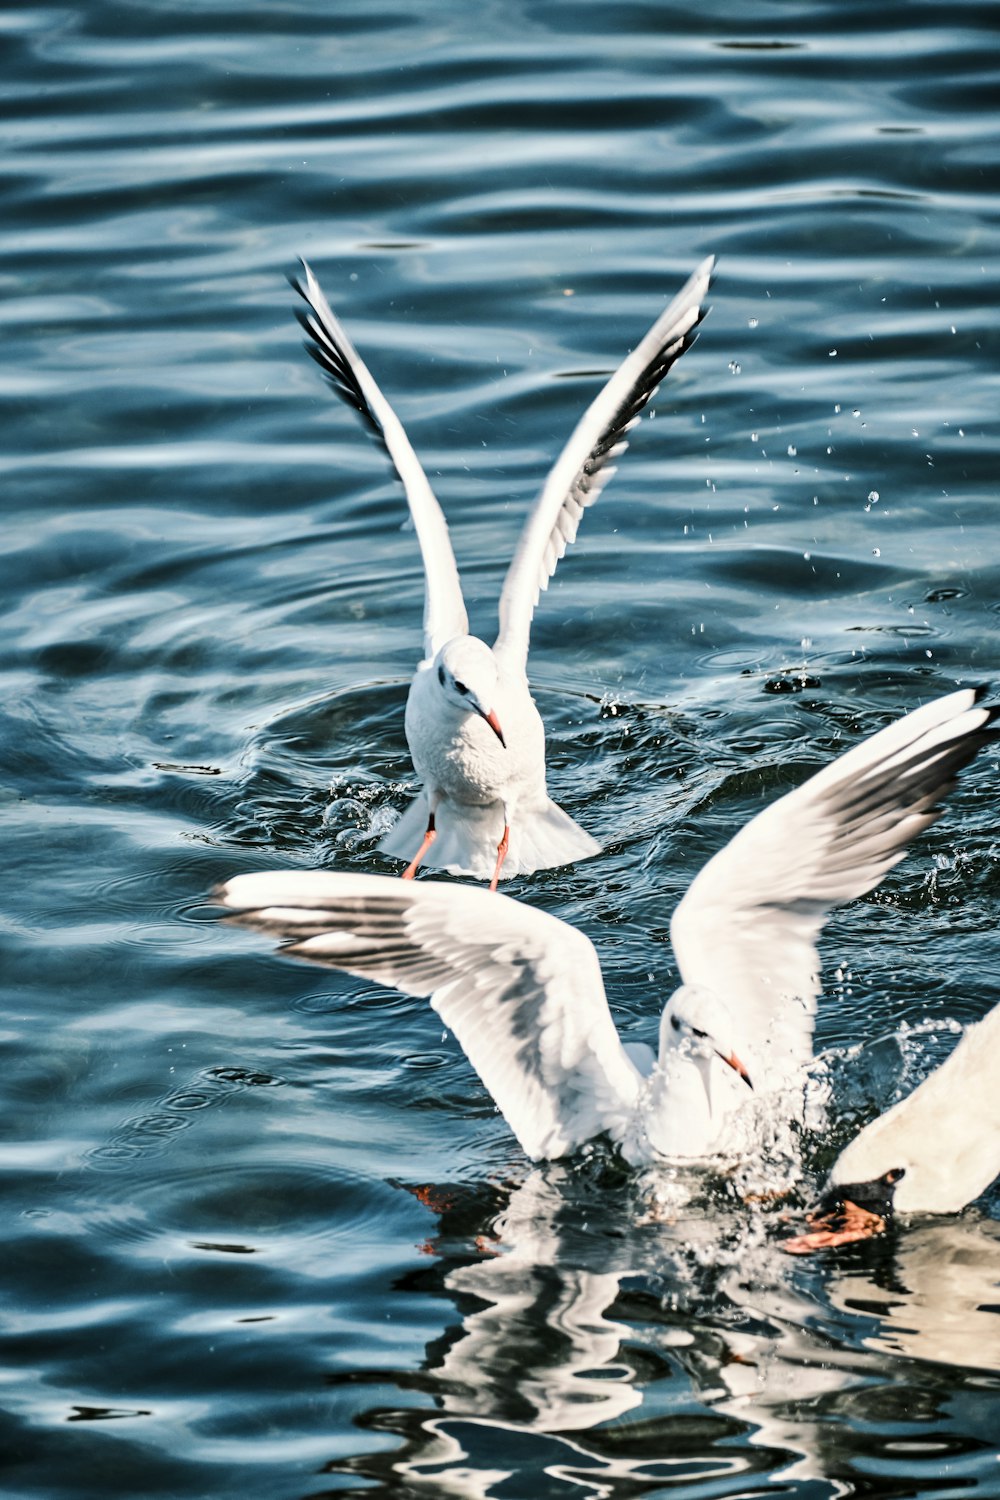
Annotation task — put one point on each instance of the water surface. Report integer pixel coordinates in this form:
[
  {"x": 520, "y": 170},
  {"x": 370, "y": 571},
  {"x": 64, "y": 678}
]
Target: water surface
[{"x": 265, "y": 1231}]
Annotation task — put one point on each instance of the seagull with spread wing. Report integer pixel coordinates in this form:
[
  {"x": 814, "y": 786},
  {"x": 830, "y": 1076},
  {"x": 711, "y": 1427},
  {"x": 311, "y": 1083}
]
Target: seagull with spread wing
[
  {"x": 522, "y": 991},
  {"x": 474, "y": 732}
]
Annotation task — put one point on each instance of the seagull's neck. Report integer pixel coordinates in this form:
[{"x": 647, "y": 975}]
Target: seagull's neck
[{"x": 688, "y": 1102}]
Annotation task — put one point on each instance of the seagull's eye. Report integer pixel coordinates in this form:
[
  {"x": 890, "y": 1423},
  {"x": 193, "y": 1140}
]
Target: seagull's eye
[
  {"x": 675, "y": 1022},
  {"x": 441, "y": 677},
  {"x": 460, "y": 687}
]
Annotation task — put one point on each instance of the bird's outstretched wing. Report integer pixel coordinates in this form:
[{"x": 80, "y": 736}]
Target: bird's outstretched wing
[
  {"x": 588, "y": 461},
  {"x": 521, "y": 990},
  {"x": 748, "y": 925},
  {"x": 330, "y": 347},
  {"x": 943, "y": 1140}
]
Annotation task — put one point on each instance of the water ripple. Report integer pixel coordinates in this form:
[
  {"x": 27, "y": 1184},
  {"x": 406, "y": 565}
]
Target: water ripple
[{"x": 266, "y": 1229}]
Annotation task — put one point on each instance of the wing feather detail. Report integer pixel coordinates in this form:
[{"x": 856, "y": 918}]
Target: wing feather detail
[
  {"x": 328, "y": 344},
  {"x": 748, "y": 926},
  {"x": 520, "y": 990},
  {"x": 587, "y": 461}
]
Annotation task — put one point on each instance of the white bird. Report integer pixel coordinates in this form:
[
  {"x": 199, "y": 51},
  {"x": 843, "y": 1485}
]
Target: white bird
[
  {"x": 932, "y": 1153},
  {"x": 475, "y": 735},
  {"x": 522, "y": 990}
]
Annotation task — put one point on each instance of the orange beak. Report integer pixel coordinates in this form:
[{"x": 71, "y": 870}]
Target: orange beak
[
  {"x": 494, "y": 724},
  {"x": 732, "y": 1061}
]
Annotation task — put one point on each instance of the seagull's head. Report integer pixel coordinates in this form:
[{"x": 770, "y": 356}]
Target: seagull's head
[
  {"x": 697, "y": 1023},
  {"x": 877, "y": 1172},
  {"x": 880, "y": 1173},
  {"x": 466, "y": 671},
  {"x": 852, "y": 1209}
]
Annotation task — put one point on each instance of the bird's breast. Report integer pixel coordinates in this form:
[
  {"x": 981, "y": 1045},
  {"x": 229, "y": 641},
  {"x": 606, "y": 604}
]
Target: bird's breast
[
  {"x": 681, "y": 1118},
  {"x": 461, "y": 756}
]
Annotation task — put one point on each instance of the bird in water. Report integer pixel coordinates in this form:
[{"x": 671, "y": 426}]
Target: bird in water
[
  {"x": 475, "y": 735},
  {"x": 522, "y": 991},
  {"x": 932, "y": 1153}
]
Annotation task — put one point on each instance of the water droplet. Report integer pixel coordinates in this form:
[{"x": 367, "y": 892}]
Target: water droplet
[
  {"x": 752, "y": 323},
  {"x": 792, "y": 451},
  {"x": 876, "y": 552},
  {"x": 734, "y": 368}
]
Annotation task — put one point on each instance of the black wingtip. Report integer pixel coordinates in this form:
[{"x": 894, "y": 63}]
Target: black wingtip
[
  {"x": 980, "y": 691},
  {"x": 293, "y": 281}
]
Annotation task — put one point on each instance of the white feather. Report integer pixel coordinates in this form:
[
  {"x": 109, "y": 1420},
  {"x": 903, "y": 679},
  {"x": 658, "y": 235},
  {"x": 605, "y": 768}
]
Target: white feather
[
  {"x": 522, "y": 991},
  {"x": 943, "y": 1138},
  {"x": 448, "y": 751}
]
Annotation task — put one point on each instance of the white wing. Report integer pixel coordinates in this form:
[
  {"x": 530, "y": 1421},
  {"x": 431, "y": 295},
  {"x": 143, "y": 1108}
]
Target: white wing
[
  {"x": 521, "y": 990},
  {"x": 330, "y": 347},
  {"x": 944, "y": 1137},
  {"x": 587, "y": 461},
  {"x": 748, "y": 925}
]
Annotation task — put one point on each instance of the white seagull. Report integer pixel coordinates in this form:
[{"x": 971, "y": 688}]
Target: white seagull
[
  {"x": 474, "y": 733},
  {"x": 522, "y": 990},
  {"x": 932, "y": 1153}
]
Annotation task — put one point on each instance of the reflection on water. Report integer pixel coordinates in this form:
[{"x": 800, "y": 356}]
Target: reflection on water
[
  {"x": 211, "y": 1284},
  {"x": 611, "y": 1362},
  {"x": 938, "y": 1299}
]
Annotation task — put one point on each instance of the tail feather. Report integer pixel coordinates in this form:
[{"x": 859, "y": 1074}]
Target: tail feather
[{"x": 466, "y": 842}]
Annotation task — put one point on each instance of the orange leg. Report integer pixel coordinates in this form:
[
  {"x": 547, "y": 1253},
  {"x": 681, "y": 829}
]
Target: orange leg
[
  {"x": 429, "y": 837},
  {"x": 501, "y": 855},
  {"x": 842, "y": 1227}
]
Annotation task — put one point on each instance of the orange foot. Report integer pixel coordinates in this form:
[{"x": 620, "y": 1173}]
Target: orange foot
[
  {"x": 842, "y": 1227},
  {"x": 429, "y": 837},
  {"x": 502, "y": 848}
]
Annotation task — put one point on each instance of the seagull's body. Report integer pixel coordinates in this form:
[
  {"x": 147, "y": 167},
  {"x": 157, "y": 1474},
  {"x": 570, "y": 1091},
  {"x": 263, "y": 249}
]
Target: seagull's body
[
  {"x": 474, "y": 732},
  {"x": 475, "y": 784},
  {"x": 522, "y": 991}
]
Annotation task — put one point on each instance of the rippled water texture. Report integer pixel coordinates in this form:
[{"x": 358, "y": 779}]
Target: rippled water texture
[{"x": 265, "y": 1233}]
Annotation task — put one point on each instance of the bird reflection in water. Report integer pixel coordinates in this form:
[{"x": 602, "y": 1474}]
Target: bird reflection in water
[{"x": 613, "y": 1363}]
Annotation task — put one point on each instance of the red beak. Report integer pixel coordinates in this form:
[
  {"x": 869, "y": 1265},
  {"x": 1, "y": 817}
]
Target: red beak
[
  {"x": 494, "y": 724},
  {"x": 732, "y": 1061}
]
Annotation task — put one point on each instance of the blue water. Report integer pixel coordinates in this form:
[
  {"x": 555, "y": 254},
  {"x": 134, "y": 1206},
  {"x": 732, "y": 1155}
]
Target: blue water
[{"x": 264, "y": 1232}]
